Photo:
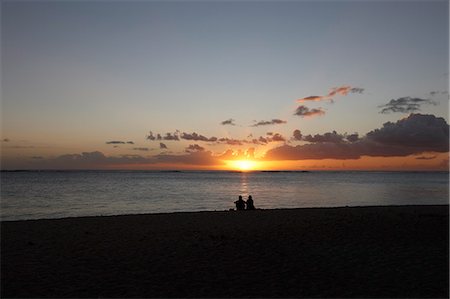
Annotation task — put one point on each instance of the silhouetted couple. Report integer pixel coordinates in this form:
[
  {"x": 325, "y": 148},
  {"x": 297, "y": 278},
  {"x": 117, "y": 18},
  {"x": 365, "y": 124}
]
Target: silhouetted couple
[{"x": 244, "y": 205}]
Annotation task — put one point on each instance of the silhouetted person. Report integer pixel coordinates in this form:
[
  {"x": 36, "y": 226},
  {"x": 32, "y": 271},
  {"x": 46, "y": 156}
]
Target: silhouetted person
[
  {"x": 240, "y": 204},
  {"x": 249, "y": 203}
]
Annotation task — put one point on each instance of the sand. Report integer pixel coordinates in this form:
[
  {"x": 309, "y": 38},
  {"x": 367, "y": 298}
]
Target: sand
[{"x": 327, "y": 252}]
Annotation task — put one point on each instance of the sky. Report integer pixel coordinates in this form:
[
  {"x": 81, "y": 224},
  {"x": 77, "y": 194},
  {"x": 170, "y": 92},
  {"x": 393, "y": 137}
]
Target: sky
[{"x": 239, "y": 85}]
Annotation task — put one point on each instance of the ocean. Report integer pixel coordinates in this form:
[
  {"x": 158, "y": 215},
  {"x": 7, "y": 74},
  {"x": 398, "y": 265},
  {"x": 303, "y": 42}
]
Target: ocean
[{"x": 58, "y": 194}]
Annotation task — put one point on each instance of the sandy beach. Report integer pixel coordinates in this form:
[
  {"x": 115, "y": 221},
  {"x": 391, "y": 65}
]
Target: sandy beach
[{"x": 326, "y": 252}]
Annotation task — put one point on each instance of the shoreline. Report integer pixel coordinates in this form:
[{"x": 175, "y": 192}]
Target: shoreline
[
  {"x": 382, "y": 251},
  {"x": 222, "y": 211}
]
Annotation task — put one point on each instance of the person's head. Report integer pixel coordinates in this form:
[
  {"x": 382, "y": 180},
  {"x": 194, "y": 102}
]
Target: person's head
[
  {"x": 249, "y": 197},
  {"x": 240, "y": 196}
]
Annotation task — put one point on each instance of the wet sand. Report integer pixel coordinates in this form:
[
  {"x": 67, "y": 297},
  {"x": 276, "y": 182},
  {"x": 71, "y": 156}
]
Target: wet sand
[{"x": 327, "y": 252}]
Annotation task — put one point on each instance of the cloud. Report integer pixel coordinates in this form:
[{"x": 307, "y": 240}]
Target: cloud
[
  {"x": 405, "y": 105},
  {"x": 37, "y": 157},
  {"x": 415, "y": 134},
  {"x": 276, "y": 137},
  {"x": 425, "y": 158},
  {"x": 435, "y": 93},
  {"x": 304, "y": 111},
  {"x": 119, "y": 142},
  {"x": 96, "y": 160},
  {"x": 341, "y": 90},
  {"x": 297, "y": 135},
  {"x": 357, "y": 90},
  {"x": 168, "y": 136},
  {"x": 312, "y": 99},
  {"x": 162, "y": 146},
  {"x": 228, "y": 122},
  {"x": 344, "y": 90},
  {"x": 115, "y": 142},
  {"x": 269, "y": 122},
  {"x": 194, "y": 148},
  {"x": 333, "y": 137},
  {"x": 416, "y": 131},
  {"x": 6, "y": 140},
  {"x": 196, "y": 137},
  {"x": 144, "y": 149},
  {"x": 327, "y": 137},
  {"x": 150, "y": 136},
  {"x": 352, "y": 137}
]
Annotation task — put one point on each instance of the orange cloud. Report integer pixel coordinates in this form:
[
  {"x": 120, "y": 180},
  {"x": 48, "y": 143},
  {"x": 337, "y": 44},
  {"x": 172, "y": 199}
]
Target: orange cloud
[{"x": 341, "y": 90}]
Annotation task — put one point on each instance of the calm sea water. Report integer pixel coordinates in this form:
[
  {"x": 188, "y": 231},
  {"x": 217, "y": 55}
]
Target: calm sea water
[{"x": 53, "y": 194}]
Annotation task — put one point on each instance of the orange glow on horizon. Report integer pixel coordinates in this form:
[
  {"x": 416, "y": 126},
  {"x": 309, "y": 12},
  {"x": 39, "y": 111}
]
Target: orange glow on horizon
[{"x": 243, "y": 165}]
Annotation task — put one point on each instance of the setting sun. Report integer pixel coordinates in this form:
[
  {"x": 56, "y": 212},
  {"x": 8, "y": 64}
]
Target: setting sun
[{"x": 243, "y": 165}]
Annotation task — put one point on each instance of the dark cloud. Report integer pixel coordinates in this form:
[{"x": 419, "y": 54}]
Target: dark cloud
[
  {"x": 357, "y": 90},
  {"x": 119, "y": 142},
  {"x": 405, "y": 105},
  {"x": 415, "y": 134},
  {"x": 5, "y": 140},
  {"x": 168, "y": 136},
  {"x": 304, "y": 111},
  {"x": 144, "y": 149},
  {"x": 297, "y": 135},
  {"x": 263, "y": 140},
  {"x": 426, "y": 158},
  {"x": 318, "y": 151},
  {"x": 416, "y": 131},
  {"x": 327, "y": 137},
  {"x": 162, "y": 146},
  {"x": 269, "y": 122},
  {"x": 150, "y": 136},
  {"x": 352, "y": 137},
  {"x": 197, "y": 137},
  {"x": 194, "y": 148},
  {"x": 115, "y": 142},
  {"x": 435, "y": 93},
  {"x": 96, "y": 160},
  {"x": 171, "y": 137},
  {"x": 333, "y": 137},
  {"x": 228, "y": 122},
  {"x": 276, "y": 138}
]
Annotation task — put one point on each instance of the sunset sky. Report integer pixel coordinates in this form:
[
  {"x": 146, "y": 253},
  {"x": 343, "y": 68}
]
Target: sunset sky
[{"x": 200, "y": 85}]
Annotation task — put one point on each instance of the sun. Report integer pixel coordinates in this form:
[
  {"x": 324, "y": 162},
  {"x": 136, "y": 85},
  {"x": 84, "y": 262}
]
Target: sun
[{"x": 243, "y": 165}]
